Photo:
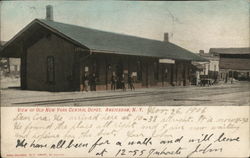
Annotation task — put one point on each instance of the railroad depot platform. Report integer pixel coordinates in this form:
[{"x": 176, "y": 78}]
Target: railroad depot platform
[{"x": 229, "y": 94}]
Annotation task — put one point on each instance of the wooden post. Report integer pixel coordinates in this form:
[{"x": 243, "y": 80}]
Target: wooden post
[
  {"x": 176, "y": 73},
  {"x": 23, "y": 66},
  {"x": 76, "y": 74}
]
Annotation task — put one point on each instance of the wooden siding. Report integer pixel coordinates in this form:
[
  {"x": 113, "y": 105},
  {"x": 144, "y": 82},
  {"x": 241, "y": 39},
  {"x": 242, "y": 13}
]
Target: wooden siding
[
  {"x": 234, "y": 63},
  {"x": 64, "y": 65}
]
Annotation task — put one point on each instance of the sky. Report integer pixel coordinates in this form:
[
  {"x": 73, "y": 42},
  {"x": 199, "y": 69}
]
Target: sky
[{"x": 193, "y": 25}]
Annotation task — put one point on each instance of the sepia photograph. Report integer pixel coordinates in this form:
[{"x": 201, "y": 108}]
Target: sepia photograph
[{"x": 125, "y": 78}]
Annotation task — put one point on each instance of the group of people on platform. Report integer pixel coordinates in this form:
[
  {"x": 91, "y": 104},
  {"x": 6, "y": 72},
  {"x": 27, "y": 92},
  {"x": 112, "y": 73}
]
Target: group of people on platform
[
  {"x": 89, "y": 81},
  {"x": 117, "y": 82}
]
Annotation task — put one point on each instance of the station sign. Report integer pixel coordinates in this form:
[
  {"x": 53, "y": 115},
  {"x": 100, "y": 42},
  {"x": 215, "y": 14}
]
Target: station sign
[{"x": 167, "y": 61}]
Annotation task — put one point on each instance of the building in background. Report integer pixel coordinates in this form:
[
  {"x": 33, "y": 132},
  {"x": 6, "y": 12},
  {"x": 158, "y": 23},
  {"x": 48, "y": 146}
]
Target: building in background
[
  {"x": 9, "y": 67},
  {"x": 233, "y": 63},
  {"x": 211, "y": 68},
  {"x": 207, "y": 69}
]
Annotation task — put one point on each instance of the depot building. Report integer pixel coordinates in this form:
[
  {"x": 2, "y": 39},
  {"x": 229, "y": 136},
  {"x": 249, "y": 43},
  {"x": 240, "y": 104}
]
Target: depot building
[{"x": 55, "y": 56}]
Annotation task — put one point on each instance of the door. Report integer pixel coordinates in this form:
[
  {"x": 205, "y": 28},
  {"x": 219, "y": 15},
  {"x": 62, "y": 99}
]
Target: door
[
  {"x": 51, "y": 73},
  {"x": 119, "y": 73},
  {"x": 163, "y": 74},
  {"x": 184, "y": 75},
  {"x": 146, "y": 75}
]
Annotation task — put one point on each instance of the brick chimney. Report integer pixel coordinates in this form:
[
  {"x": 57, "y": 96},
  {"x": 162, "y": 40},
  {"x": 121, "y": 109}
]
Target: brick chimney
[
  {"x": 49, "y": 12},
  {"x": 166, "y": 38},
  {"x": 201, "y": 52}
]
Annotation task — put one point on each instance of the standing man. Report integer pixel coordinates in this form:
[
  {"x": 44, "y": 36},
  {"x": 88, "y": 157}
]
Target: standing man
[
  {"x": 113, "y": 82},
  {"x": 93, "y": 82},
  {"x": 123, "y": 82},
  {"x": 131, "y": 82},
  {"x": 86, "y": 82}
]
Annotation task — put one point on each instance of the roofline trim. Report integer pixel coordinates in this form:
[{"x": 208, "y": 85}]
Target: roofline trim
[
  {"x": 225, "y": 69},
  {"x": 123, "y": 53},
  {"x": 234, "y": 53}
]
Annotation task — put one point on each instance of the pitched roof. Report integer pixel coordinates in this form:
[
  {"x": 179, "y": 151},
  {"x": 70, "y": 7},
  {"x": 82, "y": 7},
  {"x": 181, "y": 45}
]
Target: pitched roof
[
  {"x": 108, "y": 42},
  {"x": 244, "y": 50}
]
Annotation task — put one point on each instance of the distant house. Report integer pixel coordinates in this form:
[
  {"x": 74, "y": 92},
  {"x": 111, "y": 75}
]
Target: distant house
[
  {"x": 208, "y": 69},
  {"x": 56, "y": 57},
  {"x": 233, "y": 63},
  {"x": 9, "y": 66},
  {"x": 211, "y": 68}
]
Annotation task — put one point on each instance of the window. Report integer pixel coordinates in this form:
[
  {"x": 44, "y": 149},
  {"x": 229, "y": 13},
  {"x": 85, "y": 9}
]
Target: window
[
  {"x": 156, "y": 70},
  {"x": 50, "y": 69}
]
